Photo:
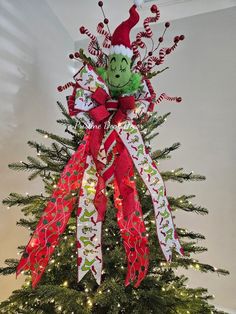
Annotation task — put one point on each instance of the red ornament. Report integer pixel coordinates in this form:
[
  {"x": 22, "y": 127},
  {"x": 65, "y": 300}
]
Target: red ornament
[
  {"x": 176, "y": 39},
  {"x": 82, "y": 29},
  {"x": 182, "y": 37},
  {"x": 59, "y": 88},
  {"x": 160, "y": 39},
  {"x": 154, "y": 8},
  {"x": 100, "y": 3},
  {"x": 167, "y": 24},
  {"x": 71, "y": 56},
  {"x": 106, "y": 21}
]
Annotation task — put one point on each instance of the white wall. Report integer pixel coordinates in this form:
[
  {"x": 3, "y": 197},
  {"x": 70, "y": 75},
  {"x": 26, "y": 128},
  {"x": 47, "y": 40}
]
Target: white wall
[
  {"x": 33, "y": 61},
  {"x": 203, "y": 72}
]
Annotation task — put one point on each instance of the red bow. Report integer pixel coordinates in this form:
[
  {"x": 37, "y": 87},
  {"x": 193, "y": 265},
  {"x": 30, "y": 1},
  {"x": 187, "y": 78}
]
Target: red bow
[{"x": 100, "y": 113}]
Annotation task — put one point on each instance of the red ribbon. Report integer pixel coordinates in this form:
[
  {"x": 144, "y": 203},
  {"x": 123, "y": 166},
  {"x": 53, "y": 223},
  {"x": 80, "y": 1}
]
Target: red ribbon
[
  {"x": 55, "y": 216},
  {"x": 101, "y": 113},
  {"x": 130, "y": 218}
]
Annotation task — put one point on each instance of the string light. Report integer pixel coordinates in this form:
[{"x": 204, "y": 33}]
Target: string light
[
  {"x": 59, "y": 308},
  {"x": 89, "y": 303},
  {"x": 65, "y": 284},
  {"x": 46, "y": 136}
]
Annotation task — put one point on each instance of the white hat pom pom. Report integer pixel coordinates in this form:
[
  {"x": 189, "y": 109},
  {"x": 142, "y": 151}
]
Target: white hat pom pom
[{"x": 138, "y": 3}]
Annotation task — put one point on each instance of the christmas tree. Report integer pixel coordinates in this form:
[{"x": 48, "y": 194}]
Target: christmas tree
[{"x": 151, "y": 284}]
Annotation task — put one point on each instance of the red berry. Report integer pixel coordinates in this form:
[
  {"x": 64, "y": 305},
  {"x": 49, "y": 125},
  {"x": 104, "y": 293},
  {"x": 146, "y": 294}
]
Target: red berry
[
  {"x": 150, "y": 53},
  {"x": 71, "y": 56},
  {"x": 139, "y": 63},
  {"x": 176, "y": 39},
  {"x": 100, "y": 3},
  {"x": 168, "y": 51},
  {"x": 158, "y": 62},
  {"x": 101, "y": 24},
  {"x": 82, "y": 30},
  {"x": 160, "y": 39},
  {"x": 154, "y": 8},
  {"x": 106, "y": 21},
  {"x": 181, "y": 37},
  {"x": 179, "y": 99},
  {"x": 167, "y": 24},
  {"x": 59, "y": 88},
  {"x": 77, "y": 54}
]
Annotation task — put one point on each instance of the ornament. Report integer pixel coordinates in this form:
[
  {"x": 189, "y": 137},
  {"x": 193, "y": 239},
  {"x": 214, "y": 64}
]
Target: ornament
[{"x": 109, "y": 93}]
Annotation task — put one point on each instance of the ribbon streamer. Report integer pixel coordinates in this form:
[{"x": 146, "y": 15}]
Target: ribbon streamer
[
  {"x": 148, "y": 171},
  {"x": 55, "y": 216},
  {"x": 88, "y": 229}
]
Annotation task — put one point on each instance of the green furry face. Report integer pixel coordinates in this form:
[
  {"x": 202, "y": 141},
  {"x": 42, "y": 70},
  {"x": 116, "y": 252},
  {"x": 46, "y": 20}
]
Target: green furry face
[{"x": 118, "y": 72}]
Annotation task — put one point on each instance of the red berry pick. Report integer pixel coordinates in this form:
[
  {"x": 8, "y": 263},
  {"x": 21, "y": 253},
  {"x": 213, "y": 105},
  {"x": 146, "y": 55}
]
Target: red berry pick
[
  {"x": 176, "y": 39},
  {"x": 167, "y": 24},
  {"x": 82, "y": 30},
  {"x": 154, "y": 8},
  {"x": 106, "y": 21}
]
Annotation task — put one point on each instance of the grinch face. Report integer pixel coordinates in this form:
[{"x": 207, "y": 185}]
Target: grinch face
[{"x": 119, "y": 72}]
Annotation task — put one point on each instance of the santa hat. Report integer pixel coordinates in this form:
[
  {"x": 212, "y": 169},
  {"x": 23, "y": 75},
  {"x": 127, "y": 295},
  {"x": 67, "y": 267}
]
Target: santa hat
[{"x": 120, "y": 42}]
